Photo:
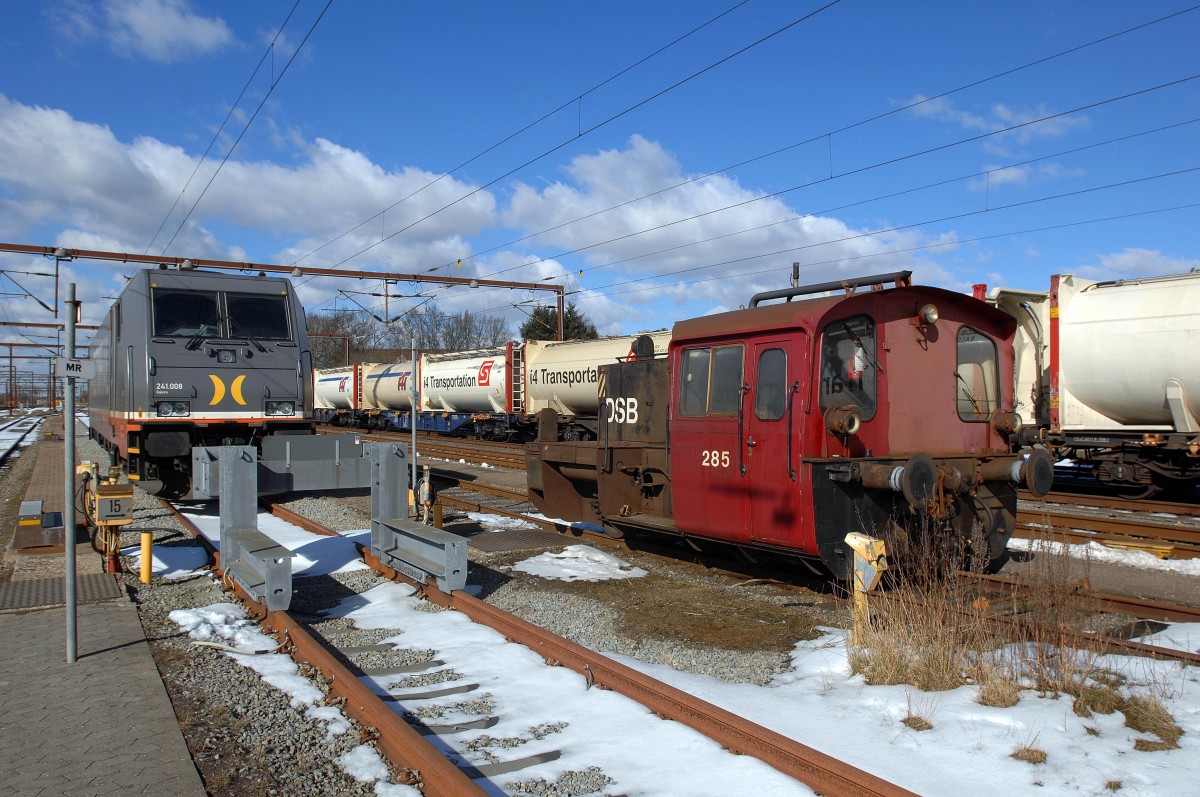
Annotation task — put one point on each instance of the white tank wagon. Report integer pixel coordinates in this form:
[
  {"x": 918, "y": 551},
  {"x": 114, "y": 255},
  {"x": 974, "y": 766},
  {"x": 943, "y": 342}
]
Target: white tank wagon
[
  {"x": 336, "y": 388},
  {"x": 470, "y": 381},
  {"x": 389, "y": 386},
  {"x": 1109, "y": 373},
  {"x": 564, "y": 376}
]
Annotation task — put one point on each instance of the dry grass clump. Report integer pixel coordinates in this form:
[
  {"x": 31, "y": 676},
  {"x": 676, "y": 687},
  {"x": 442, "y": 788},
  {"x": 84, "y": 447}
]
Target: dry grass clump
[
  {"x": 917, "y": 722},
  {"x": 1148, "y": 715},
  {"x": 996, "y": 686},
  {"x": 1098, "y": 699},
  {"x": 1030, "y": 754},
  {"x": 1113, "y": 785}
]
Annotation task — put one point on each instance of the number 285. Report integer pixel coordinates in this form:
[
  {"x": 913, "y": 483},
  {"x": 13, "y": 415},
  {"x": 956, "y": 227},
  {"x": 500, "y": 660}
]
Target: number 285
[{"x": 715, "y": 459}]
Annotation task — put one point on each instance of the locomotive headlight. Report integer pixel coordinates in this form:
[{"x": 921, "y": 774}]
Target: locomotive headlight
[
  {"x": 284, "y": 408},
  {"x": 928, "y": 315},
  {"x": 226, "y": 356},
  {"x": 174, "y": 409}
]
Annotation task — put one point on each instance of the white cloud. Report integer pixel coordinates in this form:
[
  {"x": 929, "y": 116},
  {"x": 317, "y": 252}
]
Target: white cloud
[
  {"x": 112, "y": 195},
  {"x": 1135, "y": 262},
  {"x": 641, "y": 253},
  {"x": 999, "y": 116},
  {"x": 999, "y": 176},
  {"x": 165, "y": 31}
]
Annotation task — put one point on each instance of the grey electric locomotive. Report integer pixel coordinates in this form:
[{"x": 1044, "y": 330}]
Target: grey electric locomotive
[{"x": 188, "y": 358}]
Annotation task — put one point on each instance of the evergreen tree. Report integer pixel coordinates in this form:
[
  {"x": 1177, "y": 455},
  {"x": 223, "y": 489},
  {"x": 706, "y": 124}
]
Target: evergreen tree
[{"x": 543, "y": 325}]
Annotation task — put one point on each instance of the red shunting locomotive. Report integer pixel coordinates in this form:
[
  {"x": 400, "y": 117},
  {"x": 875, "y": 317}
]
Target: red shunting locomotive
[{"x": 783, "y": 427}]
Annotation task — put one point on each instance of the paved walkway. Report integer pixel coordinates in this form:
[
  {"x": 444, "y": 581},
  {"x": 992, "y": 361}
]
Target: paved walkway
[{"x": 101, "y": 726}]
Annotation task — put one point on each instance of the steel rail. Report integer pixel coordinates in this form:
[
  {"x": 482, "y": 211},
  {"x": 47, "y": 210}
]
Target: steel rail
[
  {"x": 1120, "y": 604},
  {"x": 399, "y": 742},
  {"x": 823, "y": 773},
  {"x": 820, "y": 771},
  {"x": 1023, "y": 627},
  {"x": 1109, "y": 502},
  {"x": 1081, "y": 528}
]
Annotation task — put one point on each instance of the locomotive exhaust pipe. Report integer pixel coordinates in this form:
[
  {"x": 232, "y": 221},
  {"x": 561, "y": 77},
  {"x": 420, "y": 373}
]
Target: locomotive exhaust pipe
[{"x": 1035, "y": 470}]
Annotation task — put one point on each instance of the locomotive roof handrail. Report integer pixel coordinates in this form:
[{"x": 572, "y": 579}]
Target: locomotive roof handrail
[{"x": 901, "y": 278}]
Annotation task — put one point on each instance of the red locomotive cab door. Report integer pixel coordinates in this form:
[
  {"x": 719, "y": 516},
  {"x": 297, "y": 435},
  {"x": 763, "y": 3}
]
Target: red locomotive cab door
[
  {"x": 773, "y": 437},
  {"x": 709, "y": 490}
]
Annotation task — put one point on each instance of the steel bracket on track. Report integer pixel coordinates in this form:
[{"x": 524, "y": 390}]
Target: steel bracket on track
[
  {"x": 258, "y": 564},
  {"x": 414, "y": 549},
  {"x": 291, "y": 463}
]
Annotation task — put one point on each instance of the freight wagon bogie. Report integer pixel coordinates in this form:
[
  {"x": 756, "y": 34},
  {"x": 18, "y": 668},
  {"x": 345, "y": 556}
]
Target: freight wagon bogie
[{"x": 782, "y": 428}]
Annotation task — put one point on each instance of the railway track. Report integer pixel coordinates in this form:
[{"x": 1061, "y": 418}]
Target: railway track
[
  {"x": 1134, "y": 532},
  {"x": 13, "y": 433},
  {"x": 410, "y": 751},
  {"x": 508, "y": 455}
]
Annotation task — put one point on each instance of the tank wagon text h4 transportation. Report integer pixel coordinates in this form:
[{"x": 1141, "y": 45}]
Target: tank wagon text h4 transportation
[{"x": 494, "y": 394}]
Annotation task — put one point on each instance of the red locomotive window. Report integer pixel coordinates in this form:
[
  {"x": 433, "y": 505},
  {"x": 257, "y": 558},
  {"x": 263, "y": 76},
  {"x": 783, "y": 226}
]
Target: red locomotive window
[
  {"x": 977, "y": 376},
  {"x": 770, "y": 395},
  {"x": 712, "y": 381},
  {"x": 848, "y": 365}
]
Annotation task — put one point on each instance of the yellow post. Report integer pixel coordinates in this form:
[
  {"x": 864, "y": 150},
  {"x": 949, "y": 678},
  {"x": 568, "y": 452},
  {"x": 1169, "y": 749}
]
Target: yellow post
[
  {"x": 147, "y": 556},
  {"x": 870, "y": 560}
]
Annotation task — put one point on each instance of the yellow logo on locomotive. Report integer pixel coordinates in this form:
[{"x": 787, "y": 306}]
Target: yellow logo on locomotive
[{"x": 235, "y": 390}]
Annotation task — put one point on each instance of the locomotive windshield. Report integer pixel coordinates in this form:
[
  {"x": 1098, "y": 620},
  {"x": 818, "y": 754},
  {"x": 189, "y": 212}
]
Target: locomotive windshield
[
  {"x": 848, "y": 365},
  {"x": 216, "y": 314},
  {"x": 259, "y": 315},
  {"x": 185, "y": 313},
  {"x": 976, "y": 376}
]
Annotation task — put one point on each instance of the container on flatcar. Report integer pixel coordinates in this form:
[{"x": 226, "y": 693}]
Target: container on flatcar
[
  {"x": 389, "y": 386},
  {"x": 337, "y": 388},
  {"x": 468, "y": 381},
  {"x": 564, "y": 375},
  {"x": 1109, "y": 373}
]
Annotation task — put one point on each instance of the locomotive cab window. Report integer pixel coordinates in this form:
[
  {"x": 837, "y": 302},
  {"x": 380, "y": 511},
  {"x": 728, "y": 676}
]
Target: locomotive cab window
[
  {"x": 185, "y": 313},
  {"x": 848, "y": 365},
  {"x": 712, "y": 381},
  {"x": 259, "y": 315},
  {"x": 770, "y": 399},
  {"x": 977, "y": 376}
]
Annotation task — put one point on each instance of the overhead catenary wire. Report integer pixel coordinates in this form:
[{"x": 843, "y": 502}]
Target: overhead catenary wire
[
  {"x": 591, "y": 129},
  {"x": 844, "y": 128},
  {"x": 898, "y": 110},
  {"x": 246, "y": 127},
  {"x": 254, "y": 73},
  {"x": 518, "y": 132},
  {"x": 859, "y": 170},
  {"x": 856, "y": 171}
]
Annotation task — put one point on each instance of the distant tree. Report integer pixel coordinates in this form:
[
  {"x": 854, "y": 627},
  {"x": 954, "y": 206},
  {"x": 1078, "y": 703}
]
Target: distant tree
[
  {"x": 543, "y": 325},
  {"x": 434, "y": 330},
  {"x": 349, "y": 329},
  {"x": 372, "y": 340}
]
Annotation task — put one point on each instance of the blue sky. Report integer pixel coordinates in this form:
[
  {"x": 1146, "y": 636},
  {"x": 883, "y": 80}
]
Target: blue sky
[{"x": 106, "y": 108}]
